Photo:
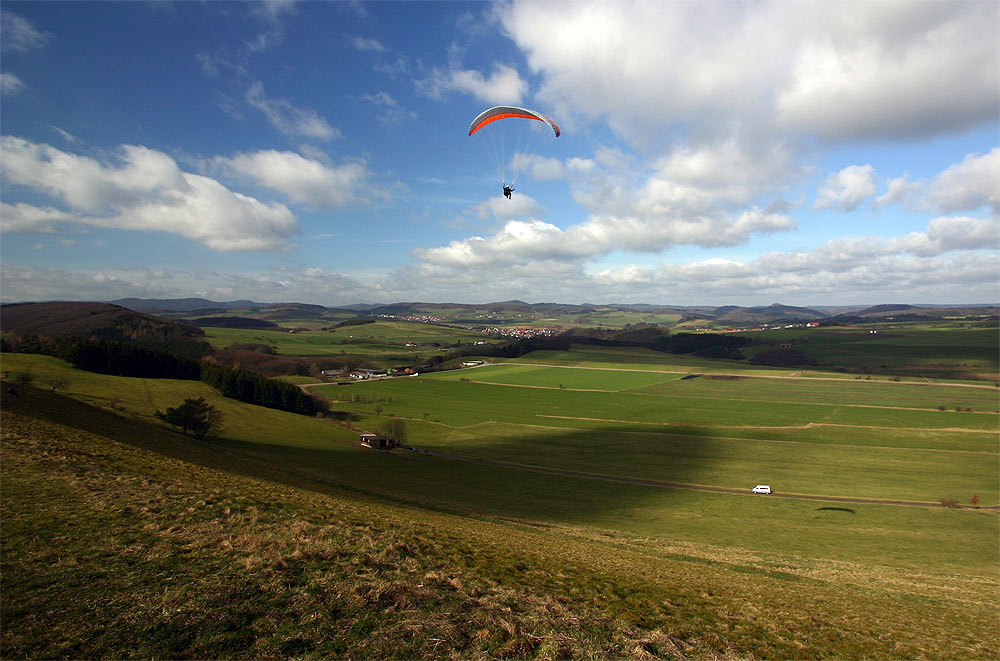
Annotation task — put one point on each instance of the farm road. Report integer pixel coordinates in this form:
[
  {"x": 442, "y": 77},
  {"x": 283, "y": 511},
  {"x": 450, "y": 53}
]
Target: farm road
[{"x": 684, "y": 485}]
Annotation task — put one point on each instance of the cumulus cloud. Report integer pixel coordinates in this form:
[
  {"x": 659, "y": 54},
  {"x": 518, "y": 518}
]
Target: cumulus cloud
[
  {"x": 968, "y": 185},
  {"x": 142, "y": 189},
  {"x": 837, "y": 71},
  {"x": 847, "y": 189},
  {"x": 23, "y": 217},
  {"x": 303, "y": 180},
  {"x": 504, "y": 84},
  {"x": 521, "y": 241},
  {"x": 518, "y": 241},
  {"x": 948, "y": 233},
  {"x": 518, "y": 206},
  {"x": 288, "y": 119},
  {"x": 899, "y": 190},
  {"x": 18, "y": 34},
  {"x": 899, "y": 70}
]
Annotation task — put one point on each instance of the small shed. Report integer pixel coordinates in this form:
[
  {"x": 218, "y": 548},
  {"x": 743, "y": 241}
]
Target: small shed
[{"x": 375, "y": 441}]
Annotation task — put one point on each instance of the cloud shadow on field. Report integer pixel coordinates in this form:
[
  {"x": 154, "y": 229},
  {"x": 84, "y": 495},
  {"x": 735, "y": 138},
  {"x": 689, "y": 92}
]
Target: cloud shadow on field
[
  {"x": 500, "y": 476},
  {"x": 341, "y": 465}
]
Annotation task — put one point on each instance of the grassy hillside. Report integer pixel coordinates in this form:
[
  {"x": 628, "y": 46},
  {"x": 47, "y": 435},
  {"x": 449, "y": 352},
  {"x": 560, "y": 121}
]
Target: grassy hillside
[{"x": 122, "y": 539}]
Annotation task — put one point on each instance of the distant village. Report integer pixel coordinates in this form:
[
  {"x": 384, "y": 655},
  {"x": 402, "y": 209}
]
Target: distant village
[{"x": 518, "y": 332}]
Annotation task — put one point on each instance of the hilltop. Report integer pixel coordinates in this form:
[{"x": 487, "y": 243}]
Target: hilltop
[{"x": 100, "y": 321}]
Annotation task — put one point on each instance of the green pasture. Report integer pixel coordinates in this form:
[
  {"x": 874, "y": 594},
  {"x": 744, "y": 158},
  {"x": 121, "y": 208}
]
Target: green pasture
[
  {"x": 461, "y": 403},
  {"x": 762, "y": 385},
  {"x": 641, "y": 435},
  {"x": 804, "y": 448},
  {"x": 382, "y": 342},
  {"x": 955, "y": 353}
]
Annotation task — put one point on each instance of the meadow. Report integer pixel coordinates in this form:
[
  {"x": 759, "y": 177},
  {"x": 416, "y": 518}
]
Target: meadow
[
  {"x": 537, "y": 465},
  {"x": 382, "y": 343},
  {"x": 944, "y": 350}
]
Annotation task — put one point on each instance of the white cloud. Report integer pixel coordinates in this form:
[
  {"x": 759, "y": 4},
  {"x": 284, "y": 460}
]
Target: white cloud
[
  {"x": 142, "y": 190},
  {"x": 23, "y": 283},
  {"x": 18, "y": 34},
  {"x": 968, "y": 185},
  {"x": 10, "y": 83},
  {"x": 288, "y": 119},
  {"x": 951, "y": 233},
  {"x": 541, "y": 168},
  {"x": 834, "y": 70},
  {"x": 504, "y": 85},
  {"x": 373, "y": 45},
  {"x": 66, "y": 135},
  {"x": 899, "y": 190},
  {"x": 847, "y": 189},
  {"x": 303, "y": 180},
  {"x": 517, "y": 207},
  {"x": 271, "y": 13},
  {"x": 519, "y": 241},
  {"x": 899, "y": 70},
  {"x": 23, "y": 217},
  {"x": 82, "y": 182}
]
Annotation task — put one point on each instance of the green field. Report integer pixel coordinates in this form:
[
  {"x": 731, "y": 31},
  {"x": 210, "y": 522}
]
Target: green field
[
  {"x": 891, "y": 580},
  {"x": 383, "y": 343},
  {"x": 911, "y": 350}
]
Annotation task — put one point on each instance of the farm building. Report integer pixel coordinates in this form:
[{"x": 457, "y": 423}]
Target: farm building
[
  {"x": 376, "y": 442},
  {"x": 367, "y": 373}
]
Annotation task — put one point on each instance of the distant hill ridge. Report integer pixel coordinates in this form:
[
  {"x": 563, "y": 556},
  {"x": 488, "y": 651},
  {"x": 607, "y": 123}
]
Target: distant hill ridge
[
  {"x": 100, "y": 321},
  {"x": 733, "y": 314}
]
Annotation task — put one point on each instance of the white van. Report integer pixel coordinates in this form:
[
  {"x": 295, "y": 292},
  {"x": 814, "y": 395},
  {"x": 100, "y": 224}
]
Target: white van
[{"x": 762, "y": 488}]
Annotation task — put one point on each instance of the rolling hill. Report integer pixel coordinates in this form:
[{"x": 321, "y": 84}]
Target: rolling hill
[{"x": 100, "y": 321}]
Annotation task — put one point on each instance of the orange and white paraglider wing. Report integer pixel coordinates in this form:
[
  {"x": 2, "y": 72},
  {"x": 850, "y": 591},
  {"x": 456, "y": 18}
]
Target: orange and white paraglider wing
[{"x": 509, "y": 112}]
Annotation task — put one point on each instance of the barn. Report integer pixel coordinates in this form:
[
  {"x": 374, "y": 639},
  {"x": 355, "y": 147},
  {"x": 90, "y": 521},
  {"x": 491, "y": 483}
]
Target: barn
[{"x": 376, "y": 442}]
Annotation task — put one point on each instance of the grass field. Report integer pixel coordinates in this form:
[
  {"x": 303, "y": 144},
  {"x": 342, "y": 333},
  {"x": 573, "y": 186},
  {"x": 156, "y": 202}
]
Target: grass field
[
  {"x": 117, "y": 551},
  {"x": 382, "y": 343},
  {"x": 600, "y": 568},
  {"x": 905, "y": 350}
]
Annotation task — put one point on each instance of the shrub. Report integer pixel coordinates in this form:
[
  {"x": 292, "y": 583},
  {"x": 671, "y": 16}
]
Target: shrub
[{"x": 948, "y": 501}]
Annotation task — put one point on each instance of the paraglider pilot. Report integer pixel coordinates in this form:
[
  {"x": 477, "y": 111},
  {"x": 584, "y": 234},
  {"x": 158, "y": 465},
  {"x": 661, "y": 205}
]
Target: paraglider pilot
[{"x": 507, "y": 191}]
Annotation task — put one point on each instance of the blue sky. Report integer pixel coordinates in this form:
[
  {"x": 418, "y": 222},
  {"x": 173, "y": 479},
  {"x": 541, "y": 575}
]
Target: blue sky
[{"x": 829, "y": 153}]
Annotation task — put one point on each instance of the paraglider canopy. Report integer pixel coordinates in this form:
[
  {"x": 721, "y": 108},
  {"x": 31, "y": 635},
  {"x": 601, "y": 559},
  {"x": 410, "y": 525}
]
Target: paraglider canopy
[
  {"x": 508, "y": 112},
  {"x": 510, "y": 135}
]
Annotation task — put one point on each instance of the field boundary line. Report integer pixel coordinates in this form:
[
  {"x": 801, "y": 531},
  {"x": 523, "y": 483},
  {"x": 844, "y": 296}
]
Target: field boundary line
[{"x": 808, "y": 425}]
